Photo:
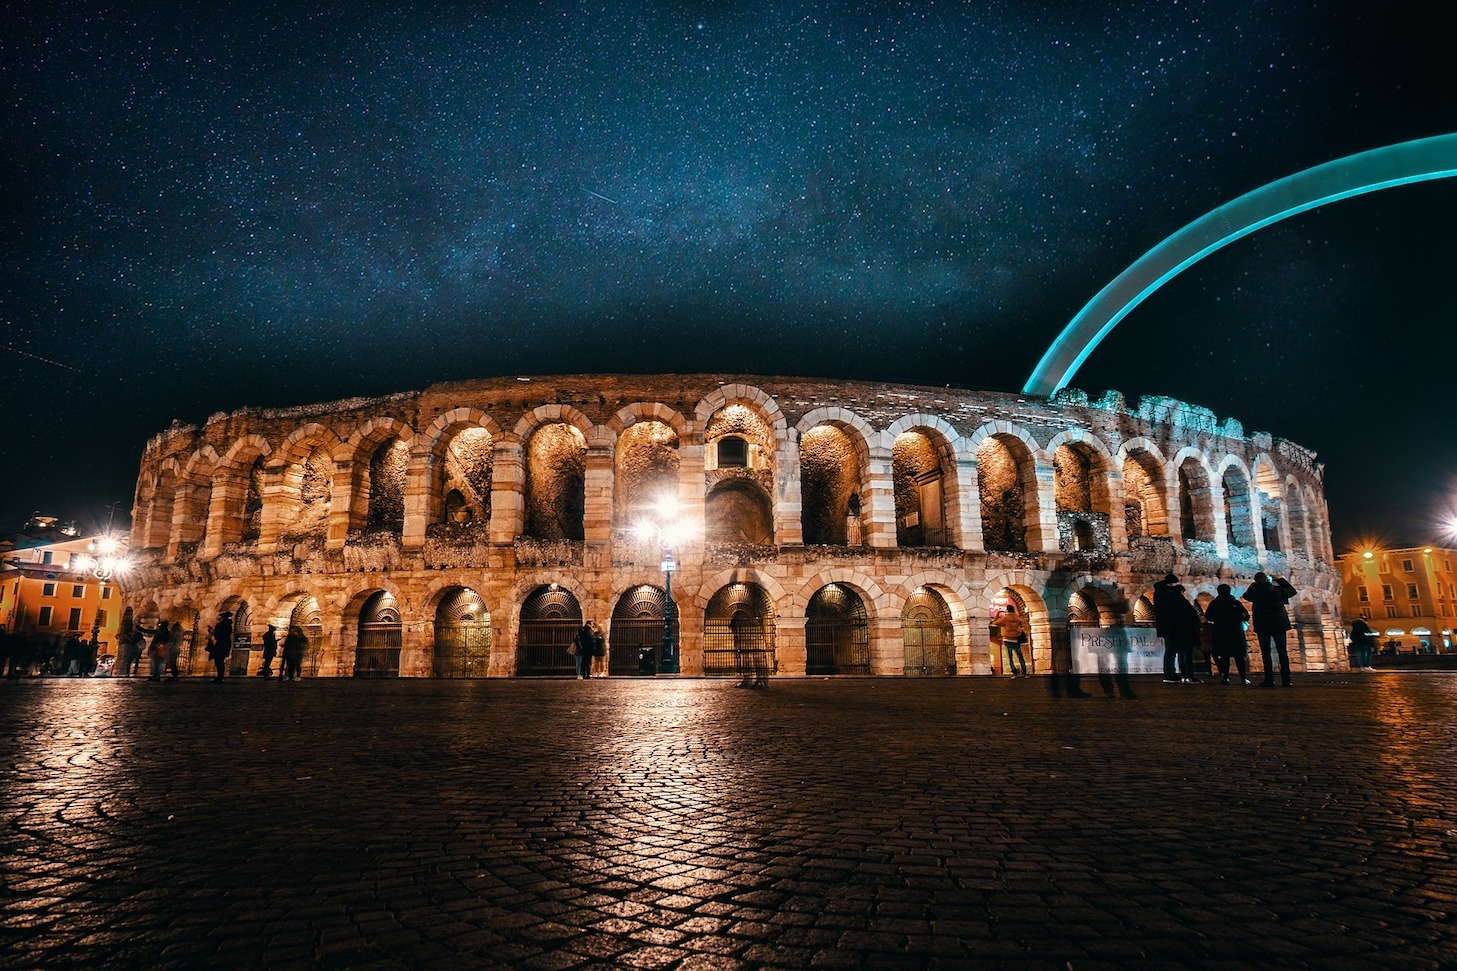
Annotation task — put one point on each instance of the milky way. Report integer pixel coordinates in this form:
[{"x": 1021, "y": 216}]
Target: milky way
[{"x": 207, "y": 209}]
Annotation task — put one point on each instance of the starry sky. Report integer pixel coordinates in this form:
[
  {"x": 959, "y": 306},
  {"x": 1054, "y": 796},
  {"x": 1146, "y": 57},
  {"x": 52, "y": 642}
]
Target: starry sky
[{"x": 207, "y": 207}]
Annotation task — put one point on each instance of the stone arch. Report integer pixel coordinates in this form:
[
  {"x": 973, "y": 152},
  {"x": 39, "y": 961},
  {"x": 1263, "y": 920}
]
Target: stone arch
[
  {"x": 1082, "y": 473},
  {"x": 160, "y": 506},
  {"x": 304, "y": 469},
  {"x": 629, "y": 415},
  {"x": 1008, "y": 486},
  {"x": 1145, "y": 488},
  {"x": 460, "y": 642},
  {"x": 646, "y": 467},
  {"x": 739, "y": 627},
  {"x": 837, "y": 631},
  {"x": 549, "y": 617},
  {"x": 635, "y": 639},
  {"x": 1196, "y": 495},
  {"x": 456, "y": 457},
  {"x": 555, "y": 465},
  {"x": 737, "y": 511},
  {"x": 1239, "y": 509},
  {"x": 236, "y": 513},
  {"x": 1039, "y": 616},
  {"x": 1298, "y": 518},
  {"x": 834, "y": 476},
  {"x": 191, "y": 508},
  {"x": 375, "y": 465},
  {"x": 1269, "y": 492},
  {"x": 924, "y": 479},
  {"x": 303, "y": 606}
]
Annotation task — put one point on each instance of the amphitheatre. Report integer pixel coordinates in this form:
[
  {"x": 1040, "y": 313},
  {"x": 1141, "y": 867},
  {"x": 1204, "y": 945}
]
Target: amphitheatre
[{"x": 840, "y": 528}]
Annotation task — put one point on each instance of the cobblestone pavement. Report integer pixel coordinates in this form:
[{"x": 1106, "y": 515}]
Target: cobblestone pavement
[{"x": 684, "y": 824}]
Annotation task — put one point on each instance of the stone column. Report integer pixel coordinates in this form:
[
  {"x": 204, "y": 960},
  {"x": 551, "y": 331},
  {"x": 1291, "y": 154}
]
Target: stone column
[
  {"x": 969, "y": 505},
  {"x": 417, "y": 499},
  {"x": 508, "y": 503},
  {"x": 887, "y": 647},
  {"x": 788, "y": 499},
  {"x": 978, "y": 659},
  {"x": 1041, "y": 520},
  {"x": 789, "y": 646},
  {"x": 341, "y": 505},
  {"x": 597, "y": 510},
  {"x": 879, "y": 500}
]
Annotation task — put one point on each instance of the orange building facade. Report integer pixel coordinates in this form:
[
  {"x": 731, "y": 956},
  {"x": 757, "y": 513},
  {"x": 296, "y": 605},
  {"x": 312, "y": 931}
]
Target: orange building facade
[
  {"x": 52, "y": 590},
  {"x": 1408, "y": 596}
]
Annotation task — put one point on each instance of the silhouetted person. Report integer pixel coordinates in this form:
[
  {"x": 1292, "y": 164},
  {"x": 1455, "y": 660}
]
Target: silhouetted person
[
  {"x": 295, "y": 643},
  {"x": 1363, "y": 641},
  {"x": 1227, "y": 617},
  {"x": 583, "y": 646},
  {"x": 1177, "y": 621},
  {"x": 1013, "y": 633},
  {"x": 270, "y": 651},
  {"x": 221, "y": 644},
  {"x": 157, "y": 650},
  {"x": 1267, "y": 599}
]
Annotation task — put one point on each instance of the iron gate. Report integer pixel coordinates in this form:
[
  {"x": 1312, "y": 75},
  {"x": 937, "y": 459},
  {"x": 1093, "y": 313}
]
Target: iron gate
[
  {"x": 550, "y": 620},
  {"x": 462, "y": 636},
  {"x": 377, "y": 655},
  {"x": 738, "y": 633},
  {"x": 308, "y": 618},
  {"x": 242, "y": 651},
  {"x": 836, "y": 633},
  {"x": 637, "y": 633},
  {"x": 930, "y": 649}
]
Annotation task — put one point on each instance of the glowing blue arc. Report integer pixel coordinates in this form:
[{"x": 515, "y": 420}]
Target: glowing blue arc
[{"x": 1354, "y": 175}]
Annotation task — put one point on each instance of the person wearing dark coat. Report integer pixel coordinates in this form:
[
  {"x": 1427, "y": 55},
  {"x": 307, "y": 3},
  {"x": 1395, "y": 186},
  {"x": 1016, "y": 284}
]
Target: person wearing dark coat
[
  {"x": 1177, "y": 621},
  {"x": 1267, "y": 599},
  {"x": 221, "y": 644},
  {"x": 1363, "y": 639},
  {"x": 1226, "y": 617},
  {"x": 270, "y": 651},
  {"x": 295, "y": 643}
]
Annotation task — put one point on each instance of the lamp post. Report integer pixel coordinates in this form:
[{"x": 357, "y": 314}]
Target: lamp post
[{"x": 666, "y": 530}]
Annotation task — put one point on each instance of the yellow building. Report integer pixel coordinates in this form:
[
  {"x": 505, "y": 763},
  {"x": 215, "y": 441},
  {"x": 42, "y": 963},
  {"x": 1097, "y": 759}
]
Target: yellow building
[
  {"x": 1408, "y": 596},
  {"x": 55, "y": 583}
]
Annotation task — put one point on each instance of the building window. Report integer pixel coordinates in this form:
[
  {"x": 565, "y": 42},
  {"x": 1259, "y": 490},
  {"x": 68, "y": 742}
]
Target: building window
[
  {"x": 1386, "y": 592},
  {"x": 100, "y": 619},
  {"x": 1411, "y": 591},
  {"x": 733, "y": 452},
  {"x": 45, "y": 616},
  {"x": 74, "y": 622},
  {"x": 48, "y": 590},
  {"x": 1416, "y": 610},
  {"x": 47, "y": 556},
  {"x": 1391, "y": 611},
  {"x": 1406, "y": 566},
  {"x": 105, "y": 593},
  {"x": 78, "y": 590},
  {"x": 1364, "y": 595}
]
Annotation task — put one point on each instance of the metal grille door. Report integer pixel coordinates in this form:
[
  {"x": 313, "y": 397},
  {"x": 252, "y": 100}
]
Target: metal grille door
[
  {"x": 462, "y": 636},
  {"x": 836, "y": 633},
  {"x": 550, "y": 619},
  {"x": 637, "y": 633},
  {"x": 930, "y": 649},
  {"x": 738, "y": 632},
  {"x": 377, "y": 654}
]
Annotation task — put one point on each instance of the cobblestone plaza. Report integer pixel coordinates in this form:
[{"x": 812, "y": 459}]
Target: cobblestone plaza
[{"x": 684, "y": 824}]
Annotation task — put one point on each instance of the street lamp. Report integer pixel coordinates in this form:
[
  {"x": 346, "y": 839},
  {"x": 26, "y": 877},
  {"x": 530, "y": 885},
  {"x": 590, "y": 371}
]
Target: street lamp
[
  {"x": 667, "y": 530},
  {"x": 105, "y": 556}
]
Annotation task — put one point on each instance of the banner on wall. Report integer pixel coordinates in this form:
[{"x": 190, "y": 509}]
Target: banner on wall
[{"x": 1107, "y": 650}]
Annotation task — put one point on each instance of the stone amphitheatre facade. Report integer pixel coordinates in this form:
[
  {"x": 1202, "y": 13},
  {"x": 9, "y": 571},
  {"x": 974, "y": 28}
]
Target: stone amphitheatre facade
[{"x": 848, "y": 528}]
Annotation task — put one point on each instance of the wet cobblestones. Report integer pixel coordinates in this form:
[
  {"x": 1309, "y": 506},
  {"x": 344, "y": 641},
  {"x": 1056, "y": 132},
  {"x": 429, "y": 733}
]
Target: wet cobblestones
[{"x": 683, "y": 824}]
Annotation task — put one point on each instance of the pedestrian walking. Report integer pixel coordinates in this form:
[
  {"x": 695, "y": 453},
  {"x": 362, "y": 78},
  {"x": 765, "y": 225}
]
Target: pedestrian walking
[
  {"x": 157, "y": 649},
  {"x": 1013, "y": 633},
  {"x": 1267, "y": 599},
  {"x": 175, "y": 642},
  {"x": 1176, "y": 620},
  {"x": 270, "y": 651},
  {"x": 126, "y": 634},
  {"x": 1363, "y": 641},
  {"x": 220, "y": 645},
  {"x": 1228, "y": 620},
  {"x": 295, "y": 643}
]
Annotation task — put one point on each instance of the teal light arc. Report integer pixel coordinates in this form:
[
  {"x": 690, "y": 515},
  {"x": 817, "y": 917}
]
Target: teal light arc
[{"x": 1402, "y": 164}]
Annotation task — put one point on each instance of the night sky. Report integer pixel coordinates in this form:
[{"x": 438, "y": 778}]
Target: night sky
[{"x": 206, "y": 209}]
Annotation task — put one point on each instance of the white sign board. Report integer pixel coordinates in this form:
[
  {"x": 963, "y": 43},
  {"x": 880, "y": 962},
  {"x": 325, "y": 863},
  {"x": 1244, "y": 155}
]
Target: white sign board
[{"x": 1108, "y": 650}]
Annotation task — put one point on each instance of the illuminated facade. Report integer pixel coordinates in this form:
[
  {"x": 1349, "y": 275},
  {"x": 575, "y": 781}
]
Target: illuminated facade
[
  {"x": 837, "y": 527},
  {"x": 51, "y": 589},
  {"x": 1408, "y": 596}
]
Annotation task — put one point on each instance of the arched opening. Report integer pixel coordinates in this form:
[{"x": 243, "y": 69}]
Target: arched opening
[
  {"x": 550, "y": 619},
  {"x": 1001, "y": 482},
  {"x": 556, "y": 477},
  {"x": 1080, "y": 488},
  {"x": 388, "y": 465},
  {"x": 647, "y": 468},
  {"x": 836, "y": 632},
  {"x": 189, "y": 518},
  {"x": 829, "y": 475},
  {"x": 919, "y": 483},
  {"x": 377, "y": 654},
  {"x": 462, "y": 635},
  {"x": 465, "y": 477},
  {"x": 252, "y": 513},
  {"x": 738, "y": 512},
  {"x": 1144, "y": 510},
  {"x": 927, "y": 635},
  {"x": 1196, "y": 517},
  {"x": 637, "y": 632},
  {"x": 307, "y": 616},
  {"x": 1008, "y": 639},
  {"x": 1272, "y": 509},
  {"x": 1238, "y": 517},
  {"x": 242, "y": 654},
  {"x": 738, "y": 631},
  {"x": 308, "y": 489}
]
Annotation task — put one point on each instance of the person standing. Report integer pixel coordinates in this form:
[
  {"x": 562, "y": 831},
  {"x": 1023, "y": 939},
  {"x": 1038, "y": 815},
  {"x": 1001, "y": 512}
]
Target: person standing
[
  {"x": 1227, "y": 617},
  {"x": 1013, "y": 633},
  {"x": 1176, "y": 620},
  {"x": 270, "y": 650},
  {"x": 1267, "y": 599},
  {"x": 157, "y": 650},
  {"x": 1363, "y": 639},
  {"x": 174, "y": 651},
  {"x": 221, "y": 644},
  {"x": 295, "y": 643},
  {"x": 582, "y": 647}
]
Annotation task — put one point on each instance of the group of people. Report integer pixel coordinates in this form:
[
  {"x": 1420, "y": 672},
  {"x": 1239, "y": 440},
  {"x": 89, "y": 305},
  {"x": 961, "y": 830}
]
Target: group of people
[
  {"x": 52, "y": 654},
  {"x": 589, "y": 643},
  {"x": 1179, "y": 622},
  {"x": 220, "y": 645}
]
